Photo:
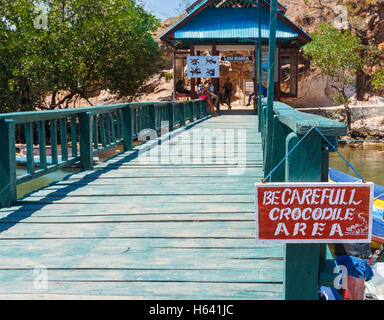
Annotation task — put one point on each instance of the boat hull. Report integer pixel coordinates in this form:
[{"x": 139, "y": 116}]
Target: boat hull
[{"x": 378, "y": 206}]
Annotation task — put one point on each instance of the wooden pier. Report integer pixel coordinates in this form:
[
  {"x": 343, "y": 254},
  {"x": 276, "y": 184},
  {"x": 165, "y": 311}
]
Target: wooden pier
[{"x": 135, "y": 228}]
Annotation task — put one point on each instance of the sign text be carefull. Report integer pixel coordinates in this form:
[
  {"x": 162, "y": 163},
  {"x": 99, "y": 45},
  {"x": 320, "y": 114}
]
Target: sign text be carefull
[{"x": 314, "y": 212}]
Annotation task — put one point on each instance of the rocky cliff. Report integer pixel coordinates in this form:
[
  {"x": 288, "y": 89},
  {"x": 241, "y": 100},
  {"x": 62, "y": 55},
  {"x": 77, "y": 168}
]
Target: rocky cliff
[{"x": 363, "y": 17}]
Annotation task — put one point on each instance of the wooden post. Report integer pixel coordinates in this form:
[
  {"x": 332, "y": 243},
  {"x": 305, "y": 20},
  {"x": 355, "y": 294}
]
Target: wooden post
[
  {"x": 271, "y": 76},
  {"x": 8, "y": 191},
  {"x": 215, "y": 53},
  {"x": 29, "y": 144},
  {"x": 255, "y": 79},
  {"x": 193, "y": 80},
  {"x": 196, "y": 110},
  {"x": 302, "y": 261},
  {"x": 153, "y": 117},
  {"x": 204, "y": 106},
  {"x": 53, "y": 131},
  {"x": 74, "y": 136},
  {"x": 182, "y": 116},
  {"x": 63, "y": 139},
  {"x": 278, "y": 83},
  {"x": 259, "y": 62},
  {"x": 42, "y": 144},
  {"x": 279, "y": 134},
  {"x": 127, "y": 127},
  {"x": 174, "y": 73},
  {"x": 86, "y": 141},
  {"x": 171, "y": 116},
  {"x": 198, "y": 79}
]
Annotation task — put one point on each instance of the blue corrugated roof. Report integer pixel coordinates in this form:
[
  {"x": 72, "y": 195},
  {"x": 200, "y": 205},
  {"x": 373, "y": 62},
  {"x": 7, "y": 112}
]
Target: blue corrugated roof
[{"x": 231, "y": 23}]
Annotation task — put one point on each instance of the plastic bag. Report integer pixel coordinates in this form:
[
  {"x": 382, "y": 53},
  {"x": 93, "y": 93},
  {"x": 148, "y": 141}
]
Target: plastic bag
[{"x": 375, "y": 287}]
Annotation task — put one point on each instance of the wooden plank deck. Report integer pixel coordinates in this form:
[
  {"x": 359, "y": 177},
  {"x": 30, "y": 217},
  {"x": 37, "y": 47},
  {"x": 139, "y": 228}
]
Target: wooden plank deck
[{"x": 138, "y": 229}]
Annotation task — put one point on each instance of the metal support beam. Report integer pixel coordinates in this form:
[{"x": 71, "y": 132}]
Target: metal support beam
[{"x": 271, "y": 80}]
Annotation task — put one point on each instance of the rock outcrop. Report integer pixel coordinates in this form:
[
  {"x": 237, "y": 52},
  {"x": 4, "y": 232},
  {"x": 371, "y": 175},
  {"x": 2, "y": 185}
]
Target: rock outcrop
[{"x": 364, "y": 17}]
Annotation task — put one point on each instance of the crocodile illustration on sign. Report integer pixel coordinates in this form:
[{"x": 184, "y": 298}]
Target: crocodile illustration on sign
[{"x": 358, "y": 229}]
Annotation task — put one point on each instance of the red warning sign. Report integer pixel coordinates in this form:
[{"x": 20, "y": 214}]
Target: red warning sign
[{"x": 314, "y": 212}]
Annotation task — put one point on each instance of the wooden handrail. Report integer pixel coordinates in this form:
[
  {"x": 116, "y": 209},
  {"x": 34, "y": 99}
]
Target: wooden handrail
[
  {"x": 305, "y": 264},
  {"x": 89, "y": 130}
]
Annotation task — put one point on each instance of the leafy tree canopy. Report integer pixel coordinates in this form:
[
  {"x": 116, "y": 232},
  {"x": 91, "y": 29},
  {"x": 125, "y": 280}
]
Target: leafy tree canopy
[
  {"x": 55, "y": 46},
  {"x": 333, "y": 51},
  {"x": 378, "y": 80},
  {"x": 339, "y": 54}
]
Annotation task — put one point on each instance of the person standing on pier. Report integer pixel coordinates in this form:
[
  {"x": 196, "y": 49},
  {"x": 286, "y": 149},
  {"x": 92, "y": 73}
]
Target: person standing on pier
[{"x": 228, "y": 88}]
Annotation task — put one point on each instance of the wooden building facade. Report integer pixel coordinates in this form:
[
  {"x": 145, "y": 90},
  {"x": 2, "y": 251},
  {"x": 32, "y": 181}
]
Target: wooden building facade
[{"x": 215, "y": 27}]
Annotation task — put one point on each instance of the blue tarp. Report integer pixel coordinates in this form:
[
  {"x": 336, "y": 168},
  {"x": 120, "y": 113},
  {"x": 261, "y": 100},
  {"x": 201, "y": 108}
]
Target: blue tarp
[
  {"x": 327, "y": 293},
  {"x": 356, "y": 267}
]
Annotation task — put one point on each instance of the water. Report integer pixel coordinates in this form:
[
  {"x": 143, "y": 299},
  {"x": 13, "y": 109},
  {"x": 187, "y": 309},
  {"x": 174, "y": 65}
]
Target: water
[{"x": 367, "y": 159}]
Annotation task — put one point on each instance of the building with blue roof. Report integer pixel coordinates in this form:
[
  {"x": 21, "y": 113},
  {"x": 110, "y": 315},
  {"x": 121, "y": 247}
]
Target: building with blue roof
[{"x": 220, "y": 26}]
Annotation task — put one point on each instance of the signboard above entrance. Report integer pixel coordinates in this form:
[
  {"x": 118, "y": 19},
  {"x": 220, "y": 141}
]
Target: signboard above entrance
[
  {"x": 203, "y": 66},
  {"x": 237, "y": 58},
  {"x": 314, "y": 212}
]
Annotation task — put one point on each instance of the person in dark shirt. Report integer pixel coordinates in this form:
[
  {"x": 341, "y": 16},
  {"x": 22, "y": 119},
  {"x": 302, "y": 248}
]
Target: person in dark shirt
[
  {"x": 180, "y": 88},
  {"x": 228, "y": 88}
]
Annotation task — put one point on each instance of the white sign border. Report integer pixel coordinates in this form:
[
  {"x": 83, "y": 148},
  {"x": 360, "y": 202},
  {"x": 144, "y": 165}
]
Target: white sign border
[{"x": 314, "y": 184}]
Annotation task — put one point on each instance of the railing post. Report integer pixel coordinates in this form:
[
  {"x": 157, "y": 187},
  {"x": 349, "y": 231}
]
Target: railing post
[
  {"x": 302, "y": 261},
  {"x": 182, "y": 118},
  {"x": 86, "y": 141},
  {"x": 205, "y": 108},
  {"x": 191, "y": 110},
  {"x": 279, "y": 134},
  {"x": 42, "y": 144},
  {"x": 171, "y": 116},
  {"x": 53, "y": 131},
  {"x": 153, "y": 117},
  {"x": 194, "y": 111},
  {"x": 187, "y": 108},
  {"x": 8, "y": 190},
  {"x": 127, "y": 125},
  {"x": 263, "y": 134}
]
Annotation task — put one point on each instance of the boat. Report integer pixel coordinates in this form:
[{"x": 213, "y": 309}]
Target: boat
[
  {"x": 378, "y": 206},
  {"x": 374, "y": 288}
]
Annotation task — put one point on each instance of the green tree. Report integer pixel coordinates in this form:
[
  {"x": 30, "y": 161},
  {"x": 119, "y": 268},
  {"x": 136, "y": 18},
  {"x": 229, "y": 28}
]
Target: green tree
[
  {"x": 52, "y": 55},
  {"x": 378, "y": 80},
  {"x": 339, "y": 55}
]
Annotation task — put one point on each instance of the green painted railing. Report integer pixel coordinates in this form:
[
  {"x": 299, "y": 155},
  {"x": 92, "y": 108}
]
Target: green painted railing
[
  {"x": 85, "y": 132},
  {"x": 281, "y": 129}
]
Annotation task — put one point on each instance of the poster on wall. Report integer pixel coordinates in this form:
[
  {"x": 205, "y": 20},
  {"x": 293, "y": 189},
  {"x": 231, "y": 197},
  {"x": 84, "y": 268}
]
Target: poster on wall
[
  {"x": 314, "y": 212},
  {"x": 203, "y": 66}
]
